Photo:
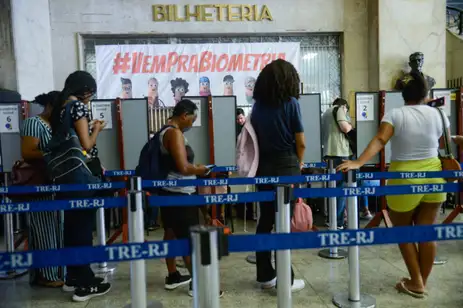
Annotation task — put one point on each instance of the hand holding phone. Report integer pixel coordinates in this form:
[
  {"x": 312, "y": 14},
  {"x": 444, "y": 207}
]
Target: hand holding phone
[{"x": 209, "y": 169}]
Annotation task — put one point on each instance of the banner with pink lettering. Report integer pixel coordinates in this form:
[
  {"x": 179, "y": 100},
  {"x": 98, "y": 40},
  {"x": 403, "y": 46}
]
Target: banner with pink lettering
[{"x": 166, "y": 73}]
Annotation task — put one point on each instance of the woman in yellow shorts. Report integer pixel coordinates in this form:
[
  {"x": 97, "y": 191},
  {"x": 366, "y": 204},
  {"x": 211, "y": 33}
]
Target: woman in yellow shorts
[{"x": 414, "y": 131}]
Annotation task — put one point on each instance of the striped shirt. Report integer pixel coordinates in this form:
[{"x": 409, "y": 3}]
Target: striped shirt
[{"x": 36, "y": 127}]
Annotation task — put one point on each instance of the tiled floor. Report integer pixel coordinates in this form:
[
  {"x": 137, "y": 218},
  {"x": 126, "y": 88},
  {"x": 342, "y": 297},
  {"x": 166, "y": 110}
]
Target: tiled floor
[{"x": 381, "y": 268}]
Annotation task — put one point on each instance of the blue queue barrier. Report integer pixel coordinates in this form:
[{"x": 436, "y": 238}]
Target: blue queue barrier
[
  {"x": 216, "y": 169},
  {"x": 230, "y": 181},
  {"x": 237, "y": 243},
  {"x": 193, "y": 200}
]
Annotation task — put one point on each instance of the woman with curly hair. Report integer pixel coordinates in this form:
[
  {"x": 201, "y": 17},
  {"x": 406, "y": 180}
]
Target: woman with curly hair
[{"x": 276, "y": 119}]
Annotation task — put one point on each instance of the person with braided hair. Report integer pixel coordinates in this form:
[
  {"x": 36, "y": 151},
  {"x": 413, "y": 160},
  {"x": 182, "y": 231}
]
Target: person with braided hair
[
  {"x": 276, "y": 119},
  {"x": 45, "y": 228}
]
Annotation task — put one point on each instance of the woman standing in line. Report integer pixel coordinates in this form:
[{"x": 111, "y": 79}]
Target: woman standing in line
[
  {"x": 79, "y": 89},
  {"x": 276, "y": 119},
  {"x": 414, "y": 131},
  {"x": 45, "y": 228}
]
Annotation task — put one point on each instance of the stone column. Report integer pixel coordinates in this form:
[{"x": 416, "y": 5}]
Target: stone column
[{"x": 31, "y": 34}]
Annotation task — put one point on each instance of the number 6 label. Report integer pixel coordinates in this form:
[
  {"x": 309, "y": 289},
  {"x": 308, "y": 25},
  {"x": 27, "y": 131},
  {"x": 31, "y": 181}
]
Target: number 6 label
[{"x": 9, "y": 119}]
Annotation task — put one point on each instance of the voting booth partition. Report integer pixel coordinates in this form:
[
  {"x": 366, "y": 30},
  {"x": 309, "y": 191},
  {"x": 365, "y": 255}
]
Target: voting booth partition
[
  {"x": 12, "y": 115},
  {"x": 212, "y": 136},
  {"x": 310, "y": 105},
  {"x": 454, "y": 109},
  {"x": 119, "y": 145}
]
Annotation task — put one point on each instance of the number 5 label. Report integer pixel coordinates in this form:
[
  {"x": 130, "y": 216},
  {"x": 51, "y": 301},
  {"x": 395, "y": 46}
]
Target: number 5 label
[{"x": 102, "y": 111}]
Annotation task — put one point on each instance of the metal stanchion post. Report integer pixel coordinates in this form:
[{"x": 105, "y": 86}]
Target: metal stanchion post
[
  {"x": 9, "y": 239},
  {"x": 205, "y": 260},
  {"x": 334, "y": 252},
  {"x": 135, "y": 200},
  {"x": 256, "y": 208},
  {"x": 353, "y": 298},
  {"x": 283, "y": 259},
  {"x": 104, "y": 267}
]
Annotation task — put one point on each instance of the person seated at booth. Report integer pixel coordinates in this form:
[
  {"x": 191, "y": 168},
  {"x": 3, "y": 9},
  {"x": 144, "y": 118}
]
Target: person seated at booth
[
  {"x": 45, "y": 228},
  {"x": 177, "y": 220},
  {"x": 414, "y": 131},
  {"x": 78, "y": 90},
  {"x": 276, "y": 119}
]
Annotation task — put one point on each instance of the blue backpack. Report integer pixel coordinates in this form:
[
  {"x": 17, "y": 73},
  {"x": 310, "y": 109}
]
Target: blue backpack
[{"x": 152, "y": 163}]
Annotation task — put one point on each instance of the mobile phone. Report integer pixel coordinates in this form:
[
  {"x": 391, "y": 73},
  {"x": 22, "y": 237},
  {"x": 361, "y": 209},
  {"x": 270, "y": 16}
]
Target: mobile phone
[
  {"x": 438, "y": 102},
  {"x": 209, "y": 169}
]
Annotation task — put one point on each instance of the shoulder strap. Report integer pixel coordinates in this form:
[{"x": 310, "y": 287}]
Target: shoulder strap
[
  {"x": 335, "y": 118},
  {"x": 445, "y": 133},
  {"x": 67, "y": 120}
]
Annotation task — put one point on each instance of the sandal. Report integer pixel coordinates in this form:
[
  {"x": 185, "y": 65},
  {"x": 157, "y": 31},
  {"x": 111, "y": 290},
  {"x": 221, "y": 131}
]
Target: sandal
[
  {"x": 404, "y": 279},
  {"x": 402, "y": 288}
]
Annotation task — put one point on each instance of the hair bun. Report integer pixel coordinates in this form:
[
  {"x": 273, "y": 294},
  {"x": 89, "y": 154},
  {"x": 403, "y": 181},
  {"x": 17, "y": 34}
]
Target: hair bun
[{"x": 42, "y": 99}]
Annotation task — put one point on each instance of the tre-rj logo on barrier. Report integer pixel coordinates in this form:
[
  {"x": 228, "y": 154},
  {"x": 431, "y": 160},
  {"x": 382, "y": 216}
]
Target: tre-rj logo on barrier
[
  {"x": 124, "y": 253},
  {"x": 87, "y": 203}
]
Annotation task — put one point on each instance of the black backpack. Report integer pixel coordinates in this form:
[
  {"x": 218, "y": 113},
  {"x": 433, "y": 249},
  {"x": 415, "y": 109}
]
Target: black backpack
[{"x": 152, "y": 163}]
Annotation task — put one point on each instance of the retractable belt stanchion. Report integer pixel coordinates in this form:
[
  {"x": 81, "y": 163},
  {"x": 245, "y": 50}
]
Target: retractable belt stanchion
[
  {"x": 9, "y": 239},
  {"x": 334, "y": 252},
  {"x": 283, "y": 259},
  {"x": 353, "y": 298},
  {"x": 104, "y": 267},
  {"x": 135, "y": 200},
  {"x": 208, "y": 245}
]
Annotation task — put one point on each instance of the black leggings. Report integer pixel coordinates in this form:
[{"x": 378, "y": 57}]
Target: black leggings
[
  {"x": 78, "y": 231},
  {"x": 277, "y": 165}
]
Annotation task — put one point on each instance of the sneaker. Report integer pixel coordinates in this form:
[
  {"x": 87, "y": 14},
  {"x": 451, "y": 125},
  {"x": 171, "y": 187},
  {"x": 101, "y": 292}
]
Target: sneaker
[
  {"x": 339, "y": 227},
  {"x": 269, "y": 284},
  {"x": 366, "y": 215},
  {"x": 84, "y": 294},
  {"x": 298, "y": 284},
  {"x": 190, "y": 291},
  {"x": 175, "y": 280},
  {"x": 69, "y": 286}
]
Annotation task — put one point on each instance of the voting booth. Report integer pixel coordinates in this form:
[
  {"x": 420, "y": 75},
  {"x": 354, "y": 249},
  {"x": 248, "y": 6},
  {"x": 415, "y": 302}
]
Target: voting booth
[
  {"x": 366, "y": 121},
  {"x": 310, "y": 105}
]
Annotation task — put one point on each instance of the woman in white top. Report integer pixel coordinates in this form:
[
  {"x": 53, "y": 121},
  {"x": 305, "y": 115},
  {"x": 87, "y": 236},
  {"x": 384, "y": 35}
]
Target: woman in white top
[{"x": 414, "y": 131}]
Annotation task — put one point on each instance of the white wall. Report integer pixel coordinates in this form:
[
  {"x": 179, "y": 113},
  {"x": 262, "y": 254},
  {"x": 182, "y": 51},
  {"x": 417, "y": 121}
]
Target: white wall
[
  {"x": 32, "y": 47},
  {"x": 135, "y": 17}
]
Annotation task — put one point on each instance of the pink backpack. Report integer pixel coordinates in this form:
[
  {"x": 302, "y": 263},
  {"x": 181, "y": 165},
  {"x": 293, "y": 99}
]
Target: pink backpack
[
  {"x": 247, "y": 151},
  {"x": 302, "y": 220}
]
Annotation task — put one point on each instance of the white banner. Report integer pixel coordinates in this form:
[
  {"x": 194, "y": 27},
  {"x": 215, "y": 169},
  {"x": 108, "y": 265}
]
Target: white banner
[{"x": 165, "y": 73}]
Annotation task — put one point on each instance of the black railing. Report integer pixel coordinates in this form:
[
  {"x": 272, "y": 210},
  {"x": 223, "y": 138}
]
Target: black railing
[{"x": 455, "y": 20}]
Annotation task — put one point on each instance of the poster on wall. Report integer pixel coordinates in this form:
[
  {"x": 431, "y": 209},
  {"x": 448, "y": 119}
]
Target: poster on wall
[
  {"x": 446, "y": 94},
  {"x": 365, "y": 107},
  {"x": 166, "y": 73}
]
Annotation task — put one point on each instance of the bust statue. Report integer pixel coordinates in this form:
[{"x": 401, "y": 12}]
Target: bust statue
[{"x": 415, "y": 61}]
